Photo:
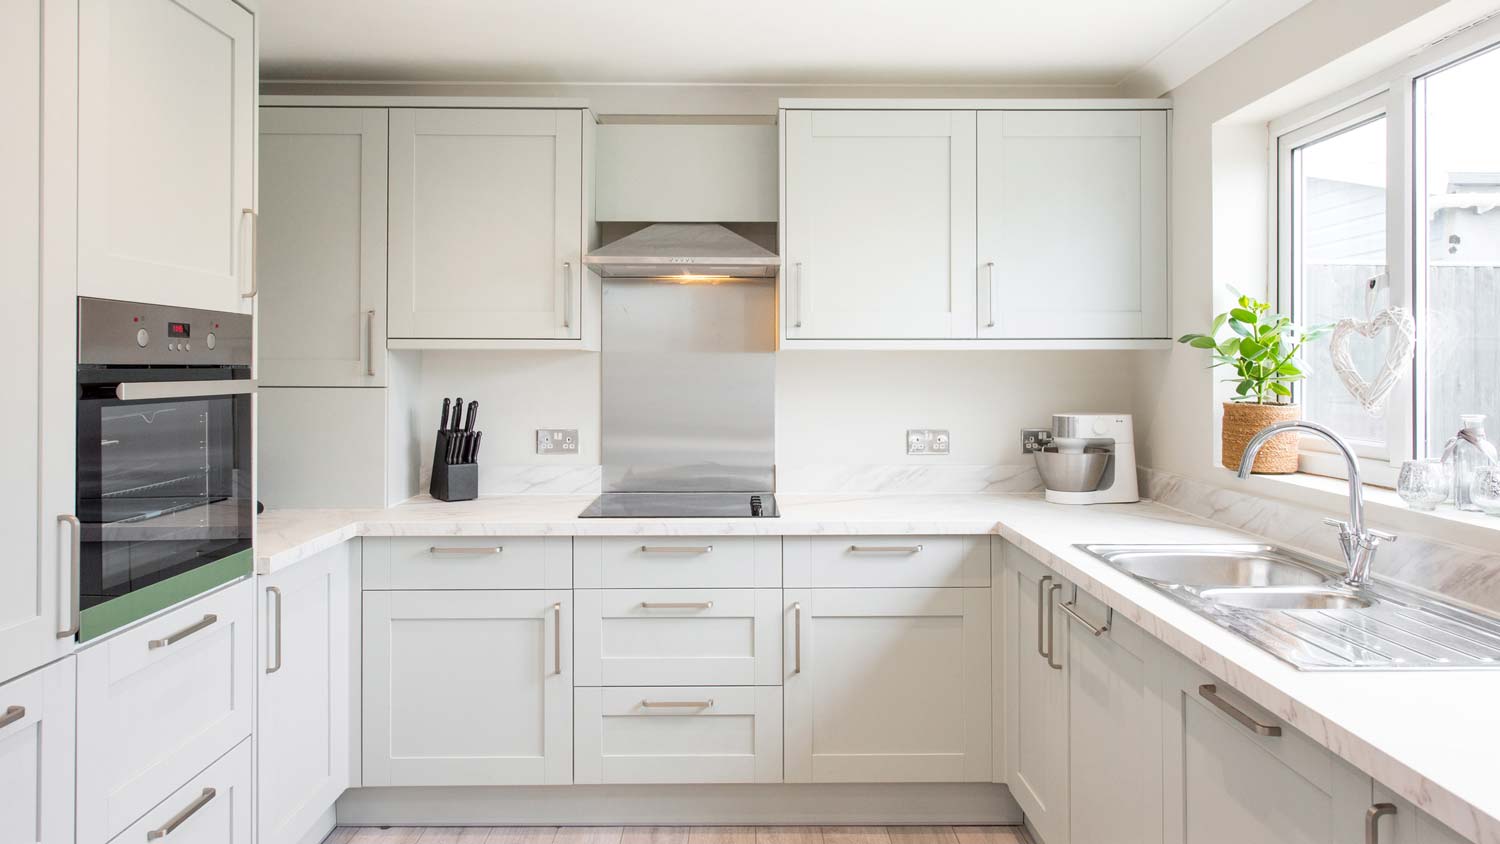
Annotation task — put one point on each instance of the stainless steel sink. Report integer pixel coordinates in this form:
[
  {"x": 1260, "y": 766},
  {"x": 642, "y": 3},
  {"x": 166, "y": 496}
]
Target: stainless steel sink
[{"x": 1299, "y": 608}]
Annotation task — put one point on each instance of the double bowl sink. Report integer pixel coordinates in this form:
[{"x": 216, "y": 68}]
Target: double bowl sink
[{"x": 1300, "y": 610}]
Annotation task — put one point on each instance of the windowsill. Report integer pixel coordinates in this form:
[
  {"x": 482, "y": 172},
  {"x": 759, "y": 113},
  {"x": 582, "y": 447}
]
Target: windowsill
[{"x": 1384, "y": 509}]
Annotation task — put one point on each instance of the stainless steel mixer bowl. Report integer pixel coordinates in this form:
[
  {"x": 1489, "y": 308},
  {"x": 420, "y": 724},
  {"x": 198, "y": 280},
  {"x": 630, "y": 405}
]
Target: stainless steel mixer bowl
[{"x": 1072, "y": 472}]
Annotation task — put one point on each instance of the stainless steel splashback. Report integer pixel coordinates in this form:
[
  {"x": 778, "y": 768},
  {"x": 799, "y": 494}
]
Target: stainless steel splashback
[{"x": 689, "y": 386}]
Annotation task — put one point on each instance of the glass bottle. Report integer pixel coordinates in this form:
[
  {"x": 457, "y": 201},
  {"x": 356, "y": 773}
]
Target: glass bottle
[{"x": 1466, "y": 454}]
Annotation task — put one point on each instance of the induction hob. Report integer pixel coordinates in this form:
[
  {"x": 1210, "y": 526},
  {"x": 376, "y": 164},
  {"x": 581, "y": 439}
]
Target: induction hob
[{"x": 683, "y": 505}]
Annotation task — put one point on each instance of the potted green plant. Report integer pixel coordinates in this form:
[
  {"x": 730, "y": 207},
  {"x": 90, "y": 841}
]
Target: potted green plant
[{"x": 1262, "y": 347}]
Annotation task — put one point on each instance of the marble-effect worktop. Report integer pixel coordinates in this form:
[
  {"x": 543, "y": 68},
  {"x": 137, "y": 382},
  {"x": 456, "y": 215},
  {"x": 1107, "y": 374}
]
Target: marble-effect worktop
[{"x": 1432, "y": 737}]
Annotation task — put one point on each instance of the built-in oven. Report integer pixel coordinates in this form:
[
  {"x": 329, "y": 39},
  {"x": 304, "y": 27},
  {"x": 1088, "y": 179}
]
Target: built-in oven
[{"x": 163, "y": 458}]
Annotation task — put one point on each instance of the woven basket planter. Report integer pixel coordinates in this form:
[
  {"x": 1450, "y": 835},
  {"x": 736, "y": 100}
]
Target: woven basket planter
[{"x": 1278, "y": 456}]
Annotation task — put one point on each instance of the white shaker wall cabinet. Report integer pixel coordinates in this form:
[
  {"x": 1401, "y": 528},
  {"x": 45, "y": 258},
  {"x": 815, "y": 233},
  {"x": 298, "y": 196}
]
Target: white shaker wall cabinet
[
  {"x": 1072, "y": 224},
  {"x": 322, "y": 247},
  {"x": 302, "y": 719},
  {"x": 486, "y": 223},
  {"x": 37, "y": 738},
  {"x": 1037, "y": 688},
  {"x": 887, "y": 685},
  {"x": 166, "y": 152},
  {"x": 36, "y": 467},
  {"x": 879, "y": 224},
  {"x": 468, "y": 687}
]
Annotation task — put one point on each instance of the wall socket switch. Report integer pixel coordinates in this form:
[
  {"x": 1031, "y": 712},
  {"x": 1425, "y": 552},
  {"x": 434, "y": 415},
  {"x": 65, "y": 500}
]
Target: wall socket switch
[
  {"x": 1035, "y": 439},
  {"x": 557, "y": 441},
  {"x": 927, "y": 441}
]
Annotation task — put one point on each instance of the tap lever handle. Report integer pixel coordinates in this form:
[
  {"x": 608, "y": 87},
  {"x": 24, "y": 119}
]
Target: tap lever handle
[
  {"x": 1381, "y": 535},
  {"x": 1342, "y": 525}
]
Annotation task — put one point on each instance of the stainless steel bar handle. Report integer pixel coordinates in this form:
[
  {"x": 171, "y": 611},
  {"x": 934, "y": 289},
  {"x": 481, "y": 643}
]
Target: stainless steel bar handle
[
  {"x": 1372, "y": 820},
  {"x": 12, "y": 715},
  {"x": 797, "y": 271},
  {"x": 885, "y": 549},
  {"x": 677, "y": 549},
  {"x": 181, "y": 817},
  {"x": 677, "y": 605},
  {"x": 276, "y": 646},
  {"x": 677, "y": 704},
  {"x": 1097, "y": 631},
  {"x": 1052, "y": 625},
  {"x": 557, "y": 638},
  {"x": 1210, "y": 693},
  {"x": 185, "y": 632},
  {"x": 254, "y": 244},
  {"x": 453, "y": 549},
  {"x": 989, "y": 284},
  {"x": 1041, "y": 615},
  {"x": 75, "y": 561},
  {"x": 567, "y": 294},
  {"x": 797, "y": 637},
  {"x": 138, "y": 390},
  {"x": 369, "y": 342}
]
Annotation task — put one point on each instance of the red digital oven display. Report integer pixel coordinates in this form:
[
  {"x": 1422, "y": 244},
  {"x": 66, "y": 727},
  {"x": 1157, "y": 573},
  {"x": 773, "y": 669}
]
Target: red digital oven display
[{"x": 179, "y": 330}]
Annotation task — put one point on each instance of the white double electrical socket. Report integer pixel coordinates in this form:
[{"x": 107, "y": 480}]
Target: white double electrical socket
[
  {"x": 557, "y": 441},
  {"x": 927, "y": 441}
]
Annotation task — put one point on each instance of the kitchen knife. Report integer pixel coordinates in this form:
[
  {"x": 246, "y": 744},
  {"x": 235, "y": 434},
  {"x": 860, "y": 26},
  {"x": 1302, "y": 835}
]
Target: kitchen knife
[
  {"x": 458, "y": 412},
  {"x": 473, "y": 412},
  {"x": 474, "y": 449},
  {"x": 443, "y": 425}
]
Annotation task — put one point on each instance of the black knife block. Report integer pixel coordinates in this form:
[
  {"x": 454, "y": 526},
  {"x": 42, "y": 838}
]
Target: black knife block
[{"x": 452, "y": 482}]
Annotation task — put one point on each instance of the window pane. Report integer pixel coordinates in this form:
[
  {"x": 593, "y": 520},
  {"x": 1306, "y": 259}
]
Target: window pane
[
  {"x": 1340, "y": 235},
  {"x": 1461, "y": 327}
]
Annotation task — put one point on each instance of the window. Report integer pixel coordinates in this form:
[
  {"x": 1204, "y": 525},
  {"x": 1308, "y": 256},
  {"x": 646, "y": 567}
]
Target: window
[{"x": 1395, "y": 200}]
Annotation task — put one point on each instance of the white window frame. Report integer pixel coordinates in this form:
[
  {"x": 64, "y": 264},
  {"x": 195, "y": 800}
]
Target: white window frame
[{"x": 1396, "y": 94}]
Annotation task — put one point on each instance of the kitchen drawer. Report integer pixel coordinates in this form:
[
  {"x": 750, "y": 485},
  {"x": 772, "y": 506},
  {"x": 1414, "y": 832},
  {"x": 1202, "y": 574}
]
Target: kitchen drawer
[
  {"x": 158, "y": 703},
  {"x": 212, "y": 808},
  {"x": 677, "y": 562},
  {"x": 706, "y": 734},
  {"x": 468, "y": 562},
  {"x": 666, "y": 637},
  {"x": 889, "y": 561}
]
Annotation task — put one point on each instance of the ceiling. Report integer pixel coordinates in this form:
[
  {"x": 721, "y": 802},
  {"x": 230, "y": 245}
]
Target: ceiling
[{"x": 871, "y": 42}]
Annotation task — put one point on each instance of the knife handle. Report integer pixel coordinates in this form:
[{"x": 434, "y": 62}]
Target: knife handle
[
  {"x": 443, "y": 425},
  {"x": 473, "y": 412},
  {"x": 458, "y": 412}
]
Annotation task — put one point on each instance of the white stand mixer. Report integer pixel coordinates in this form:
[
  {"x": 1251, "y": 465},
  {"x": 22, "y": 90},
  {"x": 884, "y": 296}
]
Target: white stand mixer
[{"x": 1090, "y": 459}]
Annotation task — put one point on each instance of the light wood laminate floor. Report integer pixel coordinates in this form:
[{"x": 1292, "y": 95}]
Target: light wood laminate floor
[{"x": 680, "y": 835}]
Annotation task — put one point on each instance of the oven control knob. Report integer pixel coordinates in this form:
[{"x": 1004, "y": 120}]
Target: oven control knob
[
  {"x": 211, "y": 340},
  {"x": 142, "y": 337}
]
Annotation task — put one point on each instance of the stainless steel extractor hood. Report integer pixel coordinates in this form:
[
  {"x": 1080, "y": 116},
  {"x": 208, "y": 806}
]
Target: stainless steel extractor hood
[{"x": 694, "y": 251}]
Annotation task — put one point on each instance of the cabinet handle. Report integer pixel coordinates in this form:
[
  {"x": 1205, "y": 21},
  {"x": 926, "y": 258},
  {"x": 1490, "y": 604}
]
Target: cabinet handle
[
  {"x": 677, "y": 605},
  {"x": 442, "y": 549},
  {"x": 557, "y": 638},
  {"x": 1372, "y": 820},
  {"x": 272, "y": 669},
  {"x": 1109, "y": 617},
  {"x": 75, "y": 557},
  {"x": 1210, "y": 693},
  {"x": 989, "y": 285},
  {"x": 1052, "y": 624},
  {"x": 185, "y": 632},
  {"x": 677, "y": 704},
  {"x": 181, "y": 817},
  {"x": 885, "y": 549},
  {"x": 1041, "y": 615},
  {"x": 797, "y": 271},
  {"x": 254, "y": 239},
  {"x": 12, "y": 715},
  {"x": 677, "y": 549},
  {"x": 797, "y": 637},
  {"x": 369, "y": 342},
  {"x": 567, "y": 294}
]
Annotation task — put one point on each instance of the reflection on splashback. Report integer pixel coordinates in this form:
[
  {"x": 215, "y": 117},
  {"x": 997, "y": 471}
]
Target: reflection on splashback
[{"x": 907, "y": 478}]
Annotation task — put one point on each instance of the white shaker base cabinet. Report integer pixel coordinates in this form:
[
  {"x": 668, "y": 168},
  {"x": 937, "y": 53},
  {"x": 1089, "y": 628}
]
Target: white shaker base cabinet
[
  {"x": 678, "y": 734},
  {"x": 887, "y": 685},
  {"x": 37, "y": 740},
  {"x": 486, "y": 223},
  {"x": 468, "y": 687},
  {"x": 322, "y": 247},
  {"x": 638, "y": 637},
  {"x": 1408, "y": 825},
  {"x": 166, "y": 152},
  {"x": 302, "y": 720},
  {"x": 1072, "y": 224},
  {"x": 1037, "y": 688},
  {"x": 212, "y": 808},
  {"x": 879, "y": 224}
]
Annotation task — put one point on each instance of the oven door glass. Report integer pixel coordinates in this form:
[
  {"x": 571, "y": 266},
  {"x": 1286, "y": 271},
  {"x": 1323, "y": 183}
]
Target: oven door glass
[{"x": 163, "y": 493}]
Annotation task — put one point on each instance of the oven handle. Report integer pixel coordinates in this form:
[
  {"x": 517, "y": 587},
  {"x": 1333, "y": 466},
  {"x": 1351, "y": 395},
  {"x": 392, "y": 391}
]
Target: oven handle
[{"x": 138, "y": 390}]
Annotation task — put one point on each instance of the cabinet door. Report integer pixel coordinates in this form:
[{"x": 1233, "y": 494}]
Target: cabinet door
[
  {"x": 879, "y": 224},
  {"x": 1114, "y": 728},
  {"x": 1226, "y": 783},
  {"x": 36, "y": 471},
  {"x": 678, "y": 734},
  {"x": 302, "y": 714},
  {"x": 322, "y": 247},
  {"x": 1073, "y": 224},
  {"x": 37, "y": 740},
  {"x": 486, "y": 226},
  {"x": 1036, "y": 733},
  {"x": 1408, "y": 824},
  {"x": 166, "y": 151},
  {"x": 887, "y": 685},
  {"x": 468, "y": 688},
  {"x": 678, "y": 637}
]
